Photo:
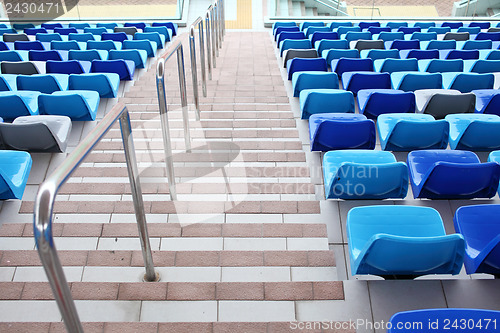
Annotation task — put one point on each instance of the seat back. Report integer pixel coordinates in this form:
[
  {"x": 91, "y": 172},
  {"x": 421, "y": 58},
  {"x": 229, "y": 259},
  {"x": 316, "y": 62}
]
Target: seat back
[
  {"x": 441, "y": 105},
  {"x": 386, "y": 101},
  {"x": 27, "y": 46},
  {"x": 306, "y": 64},
  {"x": 85, "y": 55},
  {"x": 43, "y": 83},
  {"x": 301, "y": 53},
  {"x": 34, "y": 137},
  {"x": 400, "y": 44},
  {"x": 477, "y": 45},
  {"x": 424, "y": 36},
  {"x": 83, "y": 37},
  {"x": 64, "y": 67},
  {"x": 12, "y": 106},
  {"x": 65, "y": 31},
  {"x": 128, "y": 30},
  {"x": 338, "y": 134},
  {"x": 466, "y": 82},
  {"x": 22, "y": 67},
  {"x": 463, "y": 54},
  {"x": 356, "y": 81},
  {"x": 458, "y": 36},
  {"x": 439, "y": 65},
  {"x": 480, "y": 136},
  {"x": 36, "y": 55},
  {"x": 493, "y": 36},
  {"x": 47, "y": 38},
  {"x": 486, "y": 66},
  {"x": 320, "y": 35},
  {"x": 353, "y": 35},
  {"x": 410, "y": 135},
  {"x": 114, "y": 36},
  {"x": 289, "y": 35},
  {"x": 349, "y": 65},
  {"x": 11, "y": 38},
  {"x": 65, "y": 45},
  {"x": 105, "y": 45},
  {"x": 417, "y": 81},
  {"x": 423, "y": 54},
  {"x": 399, "y": 65},
  {"x": 12, "y": 56},
  {"x": 119, "y": 67},
  {"x": 137, "y": 25},
  {"x": 328, "y": 44},
  {"x": 381, "y": 54},
  {"x": 95, "y": 31},
  {"x": 279, "y": 30},
  {"x": 72, "y": 104}
]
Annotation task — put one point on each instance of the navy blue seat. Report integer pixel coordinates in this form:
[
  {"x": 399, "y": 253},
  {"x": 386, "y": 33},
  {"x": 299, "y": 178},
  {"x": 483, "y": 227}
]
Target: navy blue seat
[
  {"x": 124, "y": 68},
  {"x": 138, "y": 25},
  {"x": 28, "y": 46},
  {"x": 451, "y": 174},
  {"x": 409, "y": 30},
  {"x": 44, "y": 83},
  {"x": 374, "y": 102},
  {"x": 343, "y": 65},
  {"x": 377, "y": 30},
  {"x": 481, "y": 25},
  {"x": 34, "y": 31},
  {"x": 399, "y": 44},
  {"x": 306, "y": 64},
  {"x": 36, "y": 55},
  {"x": 493, "y": 36},
  {"x": 289, "y": 35},
  {"x": 366, "y": 25},
  {"x": 114, "y": 36},
  {"x": 413, "y": 321},
  {"x": 463, "y": 54},
  {"x": 65, "y": 31},
  {"x": 422, "y": 54},
  {"x": 283, "y": 29},
  {"x": 3, "y": 46},
  {"x": 355, "y": 81},
  {"x": 67, "y": 67},
  {"x": 170, "y": 25},
  {"x": 320, "y": 35},
  {"x": 52, "y": 26},
  {"x": 334, "y": 131},
  {"x": 399, "y": 241},
  {"x": 334, "y": 54},
  {"x": 452, "y": 25},
  {"x": 487, "y": 101}
]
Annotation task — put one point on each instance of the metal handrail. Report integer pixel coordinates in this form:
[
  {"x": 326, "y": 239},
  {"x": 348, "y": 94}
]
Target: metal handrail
[
  {"x": 209, "y": 42},
  {"x": 194, "y": 70},
  {"x": 44, "y": 206}
]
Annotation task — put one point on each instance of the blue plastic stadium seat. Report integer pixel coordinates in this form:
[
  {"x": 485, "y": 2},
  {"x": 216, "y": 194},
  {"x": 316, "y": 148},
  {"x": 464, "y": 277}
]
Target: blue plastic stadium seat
[
  {"x": 353, "y": 36},
  {"x": 374, "y": 102},
  {"x": 482, "y": 66},
  {"x": 451, "y": 174},
  {"x": 481, "y": 25},
  {"x": 34, "y": 31},
  {"x": 364, "y": 174},
  {"x": 441, "y": 65},
  {"x": 461, "y": 54},
  {"x": 27, "y": 46},
  {"x": 466, "y": 82},
  {"x": 420, "y": 54},
  {"x": 138, "y": 25},
  {"x": 475, "y": 45},
  {"x": 87, "y": 55},
  {"x": 475, "y": 132},
  {"x": 65, "y": 45},
  {"x": 418, "y": 321},
  {"x": 487, "y": 101},
  {"x": 3, "y": 46},
  {"x": 79, "y": 105},
  {"x": 366, "y": 25},
  {"x": 151, "y": 36},
  {"x": 396, "y": 25},
  {"x": 65, "y": 31},
  {"x": 124, "y": 68},
  {"x": 376, "y": 54},
  {"x": 49, "y": 37},
  {"x": 289, "y": 35},
  {"x": 304, "y": 25},
  {"x": 377, "y": 30},
  {"x": 345, "y": 29},
  {"x": 311, "y": 30},
  {"x": 146, "y": 45},
  {"x": 470, "y": 30},
  {"x": 439, "y": 30},
  {"x": 315, "y": 101},
  {"x": 108, "y": 25},
  {"x": 95, "y": 31},
  {"x": 411, "y": 81},
  {"x": 423, "y": 36},
  {"x": 36, "y": 55},
  {"x": 405, "y": 241},
  {"x": 355, "y": 81},
  {"x": 335, "y": 25},
  {"x": 317, "y": 36},
  {"x": 410, "y": 131},
  {"x": 14, "y": 104},
  {"x": 114, "y": 36},
  {"x": 52, "y": 26},
  {"x": 67, "y": 67},
  {"x": 343, "y": 65},
  {"x": 334, "y": 131},
  {"x": 313, "y": 80},
  {"x": 106, "y": 84},
  {"x": 489, "y": 54},
  {"x": 139, "y": 57},
  {"x": 389, "y": 36},
  {"x": 283, "y": 29},
  {"x": 8, "y": 82},
  {"x": 409, "y": 30},
  {"x": 21, "y": 26},
  {"x": 106, "y": 45},
  {"x": 395, "y": 65},
  {"x": 306, "y": 64},
  {"x": 15, "y": 168},
  {"x": 12, "y": 56},
  {"x": 442, "y": 102},
  {"x": 424, "y": 25},
  {"x": 439, "y": 45},
  {"x": 328, "y": 44},
  {"x": 334, "y": 54},
  {"x": 493, "y": 36},
  {"x": 479, "y": 226},
  {"x": 403, "y": 44},
  {"x": 294, "y": 44},
  {"x": 80, "y": 26},
  {"x": 170, "y": 25},
  {"x": 164, "y": 31},
  {"x": 81, "y": 37},
  {"x": 44, "y": 83},
  {"x": 282, "y": 24}
]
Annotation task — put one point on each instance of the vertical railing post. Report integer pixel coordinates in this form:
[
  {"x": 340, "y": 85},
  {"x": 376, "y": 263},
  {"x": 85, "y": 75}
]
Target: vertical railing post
[
  {"x": 223, "y": 18},
  {"x": 202, "y": 59},
  {"x": 135, "y": 185},
  {"x": 184, "y": 103},
  {"x": 216, "y": 27},
  {"x": 209, "y": 42},
  {"x": 194, "y": 72},
  {"x": 167, "y": 147}
]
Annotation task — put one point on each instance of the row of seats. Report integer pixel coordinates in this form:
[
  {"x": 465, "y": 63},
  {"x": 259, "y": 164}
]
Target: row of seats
[
  {"x": 411, "y": 241},
  {"x": 124, "y": 68},
  {"x": 374, "y": 102}
]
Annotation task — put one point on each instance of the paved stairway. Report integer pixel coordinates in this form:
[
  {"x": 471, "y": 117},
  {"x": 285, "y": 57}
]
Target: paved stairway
[{"x": 243, "y": 249}]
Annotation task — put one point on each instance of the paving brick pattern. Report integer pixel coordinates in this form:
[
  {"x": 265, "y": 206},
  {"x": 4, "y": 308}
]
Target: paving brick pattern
[{"x": 247, "y": 169}]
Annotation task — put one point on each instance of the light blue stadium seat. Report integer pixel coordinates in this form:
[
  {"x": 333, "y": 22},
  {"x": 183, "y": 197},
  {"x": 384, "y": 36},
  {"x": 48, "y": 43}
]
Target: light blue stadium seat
[
  {"x": 355, "y": 81},
  {"x": 423, "y": 36},
  {"x": 166, "y": 32},
  {"x": 327, "y": 44},
  {"x": 14, "y": 104},
  {"x": 49, "y": 37},
  {"x": 475, "y": 45},
  {"x": 67, "y": 45},
  {"x": 313, "y": 80},
  {"x": 311, "y": 30},
  {"x": 487, "y": 101},
  {"x": 139, "y": 57},
  {"x": 105, "y": 45},
  {"x": 151, "y": 36},
  {"x": 81, "y": 37},
  {"x": 438, "y": 45},
  {"x": 44, "y": 83},
  {"x": 395, "y": 65},
  {"x": 15, "y": 167},
  {"x": 80, "y": 105},
  {"x": 294, "y": 44},
  {"x": 364, "y": 174},
  {"x": 98, "y": 31},
  {"x": 424, "y": 25},
  {"x": 87, "y": 55},
  {"x": 411, "y": 81},
  {"x": 479, "y": 226},
  {"x": 413, "y": 321},
  {"x": 146, "y": 45},
  {"x": 374, "y": 102},
  {"x": 315, "y": 101},
  {"x": 124, "y": 68},
  {"x": 106, "y": 84},
  {"x": 375, "y": 54},
  {"x": 451, "y": 174},
  {"x": 334, "y": 131},
  {"x": 354, "y": 35},
  {"x": 406, "y": 241},
  {"x": 440, "y": 65},
  {"x": 466, "y": 82},
  {"x": 389, "y": 36},
  {"x": 482, "y": 66},
  {"x": 410, "y": 131},
  {"x": 476, "y": 132}
]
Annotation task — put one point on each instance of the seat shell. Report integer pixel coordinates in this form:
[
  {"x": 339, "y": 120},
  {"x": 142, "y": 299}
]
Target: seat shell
[
  {"x": 475, "y": 132},
  {"x": 79, "y": 105},
  {"x": 374, "y": 102},
  {"x": 15, "y": 167},
  {"x": 313, "y": 101}
]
